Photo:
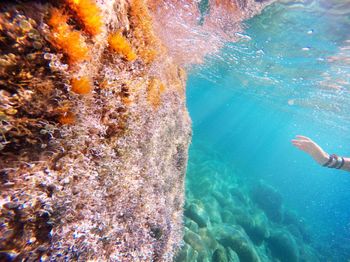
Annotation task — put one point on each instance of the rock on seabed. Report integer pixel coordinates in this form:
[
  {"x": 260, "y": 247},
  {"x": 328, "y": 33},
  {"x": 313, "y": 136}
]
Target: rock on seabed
[{"x": 94, "y": 131}]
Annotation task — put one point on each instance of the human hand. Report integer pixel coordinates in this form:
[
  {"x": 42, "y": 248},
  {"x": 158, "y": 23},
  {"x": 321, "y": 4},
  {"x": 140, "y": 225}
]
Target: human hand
[{"x": 310, "y": 147}]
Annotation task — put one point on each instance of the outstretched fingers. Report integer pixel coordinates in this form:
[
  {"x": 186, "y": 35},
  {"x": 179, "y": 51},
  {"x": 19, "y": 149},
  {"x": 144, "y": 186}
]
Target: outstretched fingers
[
  {"x": 312, "y": 148},
  {"x": 298, "y": 144},
  {"x": 302, "y": 142},
  {"x": 300, "y": 137}
]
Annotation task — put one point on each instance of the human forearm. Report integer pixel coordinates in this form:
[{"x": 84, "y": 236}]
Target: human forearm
[
  {"x": 346, "y": 165},
  {"x": 338, "y": 162},
  {"x": 319, "y": 155}
]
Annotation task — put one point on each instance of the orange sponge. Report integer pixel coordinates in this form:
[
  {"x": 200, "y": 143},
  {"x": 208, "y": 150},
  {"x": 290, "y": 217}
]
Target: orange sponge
[
  {"x": 148, "y": 45},
  {"x": 64, "y": 37},
  {"x": 67, "y": 118},
  {"x": 121, "y": 45},
  {"x": 81, "y": 85},
  {"x": 89, "y": 13}
]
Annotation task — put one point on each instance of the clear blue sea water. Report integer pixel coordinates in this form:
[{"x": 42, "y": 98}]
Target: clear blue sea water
[{"x": 278, "y": 81}]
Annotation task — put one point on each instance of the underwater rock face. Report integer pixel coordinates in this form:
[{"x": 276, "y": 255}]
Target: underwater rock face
[{"x": 95, "y": 134}]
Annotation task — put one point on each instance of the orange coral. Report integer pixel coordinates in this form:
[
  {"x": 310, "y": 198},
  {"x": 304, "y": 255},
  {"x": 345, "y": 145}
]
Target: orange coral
[
  {"x": 67, "y": 118},
  {"x": 64, "y": 37},
  {"x": 121, "y": 45},
  {"x": 154, "y": 91},
  {"x": 89, "y": 14},
  {"x": 81, "y": 85}
]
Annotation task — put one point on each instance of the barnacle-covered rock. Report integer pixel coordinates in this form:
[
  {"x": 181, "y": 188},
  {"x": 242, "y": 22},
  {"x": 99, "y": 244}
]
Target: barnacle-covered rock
[{"x": 94, "y": 134}]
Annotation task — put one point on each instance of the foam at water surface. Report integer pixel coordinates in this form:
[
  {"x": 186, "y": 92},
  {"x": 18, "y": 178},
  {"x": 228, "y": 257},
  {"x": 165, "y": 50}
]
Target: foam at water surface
[{"x": 193, "y": 29}]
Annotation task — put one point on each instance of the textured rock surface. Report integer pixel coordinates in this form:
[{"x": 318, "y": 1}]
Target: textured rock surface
[
  {"x": 90, "y": 169},
  {"x": 94, "y": 127}
]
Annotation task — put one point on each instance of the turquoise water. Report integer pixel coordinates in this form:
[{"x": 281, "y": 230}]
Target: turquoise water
[{"x": 288, "y": 75}]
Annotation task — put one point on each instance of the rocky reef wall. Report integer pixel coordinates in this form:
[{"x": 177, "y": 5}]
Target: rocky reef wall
[
  {"x": 94, "y": 134},
  {"x": 94, "y": 130}
]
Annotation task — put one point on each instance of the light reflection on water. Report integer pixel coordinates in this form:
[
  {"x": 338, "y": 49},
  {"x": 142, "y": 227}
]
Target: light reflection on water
[{"x": 298, "y": 53}]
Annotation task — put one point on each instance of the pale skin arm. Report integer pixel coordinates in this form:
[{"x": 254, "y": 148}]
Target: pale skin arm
[{"x": 315, "y": 151}]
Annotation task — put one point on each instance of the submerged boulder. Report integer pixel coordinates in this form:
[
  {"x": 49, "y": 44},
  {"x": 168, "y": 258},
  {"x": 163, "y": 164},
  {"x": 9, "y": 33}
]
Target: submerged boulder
[
  {"x": 228, "y": 217},
  {"x": 208, "y": 238},
  {"x": 219, "y": 255},
  {"x": 186, "y": 253},
  {"x": 255, "y": 225},
  {"x": 190, "y": 224},
  {"x": 223, "y": 199},
  {"x": 239, "y": 196},
  {"x": 297, "y": 225},
  {"x": 283, "y": 246},
  {"x": 232, "y": 256},
  {"x": 235, "y": 238},
  {"x": 290, "y": 218},
  {"x": 195, "y": 241},
  {"x": 259, "y": 229},
  {"x": 197, "y": 213},
  {"x": 213, "y": 209},
  {"x": 268, "y": 199}
]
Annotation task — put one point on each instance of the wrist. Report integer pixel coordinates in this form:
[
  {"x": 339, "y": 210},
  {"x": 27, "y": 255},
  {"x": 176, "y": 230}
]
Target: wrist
[
  {"x": 334, "y": 161},
  {"x": 324, "y": 159}
]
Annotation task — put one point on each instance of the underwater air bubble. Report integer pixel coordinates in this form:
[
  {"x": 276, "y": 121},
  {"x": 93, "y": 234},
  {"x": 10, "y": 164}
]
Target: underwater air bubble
[{"x": 47, "y": 56}]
